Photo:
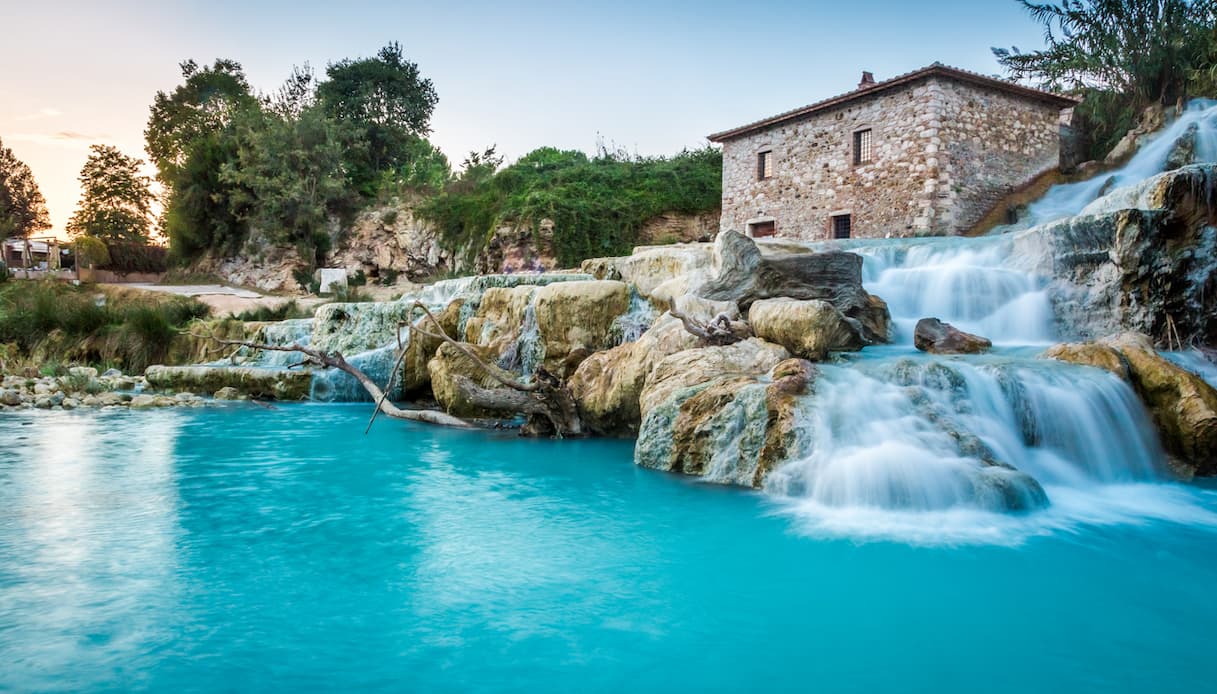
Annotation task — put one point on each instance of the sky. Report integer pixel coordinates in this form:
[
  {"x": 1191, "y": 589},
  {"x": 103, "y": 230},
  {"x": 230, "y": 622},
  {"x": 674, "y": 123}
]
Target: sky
[{"x": 650, "y": 77}]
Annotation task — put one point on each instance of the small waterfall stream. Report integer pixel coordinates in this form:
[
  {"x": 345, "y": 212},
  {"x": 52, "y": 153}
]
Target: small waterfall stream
[{"x": 896, "y": 443}]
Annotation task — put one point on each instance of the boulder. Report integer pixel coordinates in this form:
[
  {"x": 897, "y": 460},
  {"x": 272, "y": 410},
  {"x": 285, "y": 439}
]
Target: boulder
[
  {"x": 608, "y": 385},
  {"x": 1182, "y": 405},
  {"x": 653, "y": 270},
  {"x": 449, "y": 365},
  {"x": 227, "y": 393},
  {"x": 744, "y": 275},
  {"x": 1183, "y": 151},
  {"x": 808, "y": 329},
  {"x": 732, "y": 429},
  {"x": 278, "y": 384},
  {"x": 1142, "y": 259},
  {"x": 575, "y": 319},
  {"x": 749, "y": 358},
  {"x": 11, "y": 398},
  {"x": 932, "y": 335},
  {"x": 415, "y": 374}
]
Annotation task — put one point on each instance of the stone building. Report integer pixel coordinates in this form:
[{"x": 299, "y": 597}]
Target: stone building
[{"x": 930, "y": 152}]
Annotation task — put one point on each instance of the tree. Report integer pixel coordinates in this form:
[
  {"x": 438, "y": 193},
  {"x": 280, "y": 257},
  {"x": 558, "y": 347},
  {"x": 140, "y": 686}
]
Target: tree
[
  {"x": 22, "y": 207},
  {"x": 116, "y": 200},
  {"x": 1123, "y": 55},
  {"x": 387, "y": 100},
  {"x": 293, "y": 173},
  {"x": 205, "y": 103}
]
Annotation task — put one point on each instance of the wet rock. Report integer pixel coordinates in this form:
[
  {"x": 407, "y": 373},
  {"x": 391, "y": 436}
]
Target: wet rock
[
  {"x": 578, "y": 317},
  {"x": 732, "y": 429},
  {"x": 1183, "y": 151},
  {"x": 1183, "y": 406},
  {"x": 744, "y": 275},
  {"x": 415, "y": 376},
  {"x": 143, "y": 401},
  {"x": 450, "y": 364},
  {"x": 83, "y": 372},
  {"x": 1143, "y": 259},
  {"x": 808, "y": 329},
  {"x": 227, "y": 393},
  {"x": 608, "y": 385},
  {"x": 749, "y": 358},
  {"x": 932, "y": 335},
  {"x": 278, "y": 384},
  {"x": 43, "y": 402},
  {"x": 70, "y": 404},
  {"x": 660, "y": 273},
  {"x": 11, "y": 398},
  {"x": 112, "y": 373}
]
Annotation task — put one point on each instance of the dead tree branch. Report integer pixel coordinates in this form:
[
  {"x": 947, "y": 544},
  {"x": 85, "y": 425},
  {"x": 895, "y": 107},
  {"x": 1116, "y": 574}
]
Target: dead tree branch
[
  {"x": 721, "y": 330},
  {"x": 335, "y": 360}
]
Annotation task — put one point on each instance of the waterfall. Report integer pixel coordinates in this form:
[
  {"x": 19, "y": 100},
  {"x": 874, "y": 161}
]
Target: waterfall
[
  {"x": 528, "y": 351},
  {"x": 1070, "y": 199},
  {"x": 630, "y": 326},
  {"x": 970, "y": 283}
]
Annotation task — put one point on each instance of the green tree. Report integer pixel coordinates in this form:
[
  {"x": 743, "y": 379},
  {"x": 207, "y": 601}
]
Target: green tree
[
  {"x": 116, "y": 200},
  {"x": 1122, "y": 55},
  {"x": 389, "y": 103},
  {"x": 22, "y": 207},
  {"x": 189, "y": 139},
  {"x": 293, "y": 172},
  {"x": 204, "y": 104}
]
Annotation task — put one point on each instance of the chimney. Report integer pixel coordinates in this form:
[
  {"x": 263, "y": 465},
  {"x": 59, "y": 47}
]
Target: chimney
[{"x": 868, "y": 80}]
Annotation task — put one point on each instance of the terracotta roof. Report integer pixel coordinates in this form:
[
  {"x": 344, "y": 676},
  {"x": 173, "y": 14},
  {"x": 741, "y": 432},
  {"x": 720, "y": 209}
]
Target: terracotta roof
[{"x": 935, "y": 70}]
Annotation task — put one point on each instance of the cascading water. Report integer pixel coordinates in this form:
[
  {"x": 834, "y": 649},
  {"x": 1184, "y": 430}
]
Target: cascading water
[
  {"x": 896, "y": 443},
  {"x": 1198, "y": 121}
]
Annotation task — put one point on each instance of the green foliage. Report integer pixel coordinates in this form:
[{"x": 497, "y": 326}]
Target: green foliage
[
  {"x": 293, "y": 173},
  {"x": 351, "y": 295},
  {"x": 387, "y": 101},
  {"x": 1122, "y": 55},
  {"x": 359, "y": 279},
  {"x": 126, "y": 258},
  {"x": 204, "y": 211},
  {"x": 116, "y": 200},
  {"x": 597, "y": 205},
  {"x": 71, "y": 324},
  {"x": 22, "y": 207},
  {"x": 388, "y": 277},
  {"x": 203, "y": 105},
  {"x": 90, "y": 251}
]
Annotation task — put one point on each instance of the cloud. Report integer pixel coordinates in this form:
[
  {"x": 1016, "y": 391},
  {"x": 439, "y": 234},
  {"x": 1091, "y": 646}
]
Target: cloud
[
  {"x": 40, "y": 114},
  {"x": 64, "y": 138}
]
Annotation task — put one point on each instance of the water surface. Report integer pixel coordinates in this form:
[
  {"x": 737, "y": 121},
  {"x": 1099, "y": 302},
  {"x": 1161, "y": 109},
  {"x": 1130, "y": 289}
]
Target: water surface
[{"x": 242, "y": 549}]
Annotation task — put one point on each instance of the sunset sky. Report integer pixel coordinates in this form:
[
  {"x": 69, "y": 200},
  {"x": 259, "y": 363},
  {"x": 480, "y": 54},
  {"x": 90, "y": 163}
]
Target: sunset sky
[{"x": 651, "y": 77}]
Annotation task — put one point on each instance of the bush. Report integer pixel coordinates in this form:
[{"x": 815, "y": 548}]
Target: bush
[
  {"x": 284, "y": 311},
  {"x": 90, "y": 251},
  {"x": 597, "y": 205},
  {"x": 126, "y": 258}
]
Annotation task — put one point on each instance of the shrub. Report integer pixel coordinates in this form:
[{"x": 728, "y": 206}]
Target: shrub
[{"x": 285, "y": 311}]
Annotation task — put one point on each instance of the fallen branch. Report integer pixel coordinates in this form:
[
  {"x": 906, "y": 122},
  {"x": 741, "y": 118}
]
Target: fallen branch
[
  {"x": 720, "y": 331},
  {"x": 335, "y": 360}
]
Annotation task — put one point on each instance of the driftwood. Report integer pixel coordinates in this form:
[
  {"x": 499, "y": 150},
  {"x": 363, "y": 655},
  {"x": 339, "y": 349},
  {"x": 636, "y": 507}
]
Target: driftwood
[
  {"x": 721, "y": 330},
  {"x": 335, "y": 360},
  {"x": 546, "y": 400}
]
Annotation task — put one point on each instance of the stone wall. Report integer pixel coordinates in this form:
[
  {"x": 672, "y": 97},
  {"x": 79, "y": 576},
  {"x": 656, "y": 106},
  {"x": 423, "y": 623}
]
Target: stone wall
[{"x": 943, "y": 152}]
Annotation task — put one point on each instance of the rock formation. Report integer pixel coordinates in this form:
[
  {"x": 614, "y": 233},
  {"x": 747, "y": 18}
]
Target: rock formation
[{"x": 936, "y": 337}]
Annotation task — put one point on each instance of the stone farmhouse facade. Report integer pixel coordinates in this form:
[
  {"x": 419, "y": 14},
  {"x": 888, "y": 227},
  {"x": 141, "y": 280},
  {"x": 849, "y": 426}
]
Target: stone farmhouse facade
[{"x": 930, "y": 152}]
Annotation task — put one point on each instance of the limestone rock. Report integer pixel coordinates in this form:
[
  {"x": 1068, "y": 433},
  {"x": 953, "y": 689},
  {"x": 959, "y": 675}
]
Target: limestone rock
[
  {"x": 608, "y": 384},
  {"x": 932, "y": 335},
  {"x": 732, "y": 429},
  {"x": 576, "y": 318},
  {"x": 1091, "y": 354},
  {"x": 449, "y": 364},
  {"x": 227, "y": 393},
  {"x": 143, "y": 401},
  {"x": 749, "y": 358},
  {"x": 808, "y": 329},
  {"x": 11, "y": 398},
  {"x": 415, "y": 376},
  {"x": 658, "y": 273},
  {"x": 278, "y": 384},
  {"x": 1183, "y": 151}
]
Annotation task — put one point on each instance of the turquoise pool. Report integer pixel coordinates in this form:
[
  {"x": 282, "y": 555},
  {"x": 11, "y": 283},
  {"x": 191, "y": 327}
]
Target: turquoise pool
[{"x": 242, "y": 549}]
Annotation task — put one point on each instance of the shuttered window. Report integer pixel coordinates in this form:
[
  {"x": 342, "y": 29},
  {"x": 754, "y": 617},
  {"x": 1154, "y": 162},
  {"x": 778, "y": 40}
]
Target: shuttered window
[
  {"x": 764, "y": 165},
  {"x": 862, "y": 146},
  {"x": 841, "y": 226}
]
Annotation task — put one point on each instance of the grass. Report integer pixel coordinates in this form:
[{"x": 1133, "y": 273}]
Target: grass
[{"x": 55, "y": 324}]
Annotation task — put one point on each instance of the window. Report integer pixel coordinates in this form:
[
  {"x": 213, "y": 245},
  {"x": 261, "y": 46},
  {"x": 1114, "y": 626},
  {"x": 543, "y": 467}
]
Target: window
[
  {"x": 841, "y": 226},
  {"x": 762, "y": 229},
  {"x": 862, "y": 146},
  {"x": 764, "y": 165}
]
